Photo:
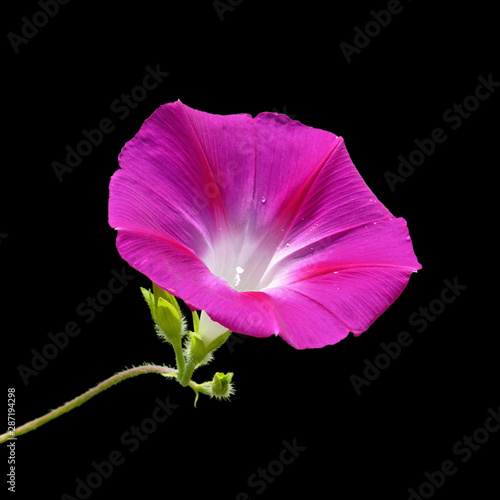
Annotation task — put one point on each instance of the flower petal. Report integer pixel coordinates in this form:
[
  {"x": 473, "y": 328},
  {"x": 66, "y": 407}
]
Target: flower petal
[
  {"x": 322, "y": 310},
  {"x": 338, "y": 219},
  {"x": 382, "y": 244}
]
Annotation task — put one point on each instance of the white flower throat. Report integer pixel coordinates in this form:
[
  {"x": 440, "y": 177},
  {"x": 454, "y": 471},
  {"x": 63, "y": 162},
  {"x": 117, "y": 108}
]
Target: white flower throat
[{"x": 243, "y": 260}]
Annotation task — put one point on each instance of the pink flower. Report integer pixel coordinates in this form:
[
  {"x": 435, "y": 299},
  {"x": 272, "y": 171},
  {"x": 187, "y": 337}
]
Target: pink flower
[{"x": 264, "y": 223}]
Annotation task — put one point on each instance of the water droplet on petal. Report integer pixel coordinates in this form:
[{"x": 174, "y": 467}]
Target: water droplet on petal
[
  {"x": 263, "y": 199},
  {"x": 288, "y": 244},
  {"x": 371, "y": 200},
  {"x": 408, "y": 238}
]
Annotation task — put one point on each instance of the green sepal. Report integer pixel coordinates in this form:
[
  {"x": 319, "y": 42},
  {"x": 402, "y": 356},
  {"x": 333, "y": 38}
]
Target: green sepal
[
  {"x": 196, "y": 321},
  {"x": 150, "y": 300},
  {"x": 200, "y": 353},
  {"x": 197, "y": 348},
  {"x": 197, "y": 395},
  {"x": 217, "y": 342}
]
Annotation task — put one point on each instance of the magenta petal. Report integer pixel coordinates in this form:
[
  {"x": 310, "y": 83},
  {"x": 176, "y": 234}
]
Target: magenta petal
[
  {"x": 334, "y": 304},
  {"x": 289, "y": 156},
  {"x": 263, "y": 223}
]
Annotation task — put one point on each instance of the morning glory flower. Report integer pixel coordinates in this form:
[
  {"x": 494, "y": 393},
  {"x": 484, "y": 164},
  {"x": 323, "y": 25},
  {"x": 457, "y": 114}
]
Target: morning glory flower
[{"x": 263, "y": 223}]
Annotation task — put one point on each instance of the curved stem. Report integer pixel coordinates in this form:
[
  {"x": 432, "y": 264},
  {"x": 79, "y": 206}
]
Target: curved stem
[
  {"x": 106, "y": 384},
  {"x": 197, "y": 388}
]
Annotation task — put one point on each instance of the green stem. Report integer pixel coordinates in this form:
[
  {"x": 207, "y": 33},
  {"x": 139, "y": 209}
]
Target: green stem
[
  {"x": 200, "y": 387},
  {"x": 185, "y": 378},
  {"x": 197, "y": 388},
  {"x": 179, "y": 358},
  {"x": 106, "y": 384}
]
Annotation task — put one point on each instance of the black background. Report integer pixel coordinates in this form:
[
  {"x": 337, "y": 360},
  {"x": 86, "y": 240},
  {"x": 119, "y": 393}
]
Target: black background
[{"x": 59, "y": 250}]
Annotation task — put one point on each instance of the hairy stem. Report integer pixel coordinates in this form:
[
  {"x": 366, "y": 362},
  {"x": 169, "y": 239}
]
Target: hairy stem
[
  {"x": 79, "y": 400},
  {"x": 179, "y": 358}
]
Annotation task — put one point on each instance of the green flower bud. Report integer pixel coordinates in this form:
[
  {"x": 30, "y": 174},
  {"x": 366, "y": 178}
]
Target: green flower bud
[
  {"x": 222, "y": 388},
  {"x": 166, "y": 314}
]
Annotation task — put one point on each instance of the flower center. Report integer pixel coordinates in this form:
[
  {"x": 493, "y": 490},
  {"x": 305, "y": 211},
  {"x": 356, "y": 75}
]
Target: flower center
[{"x": 241, "y": 261}]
